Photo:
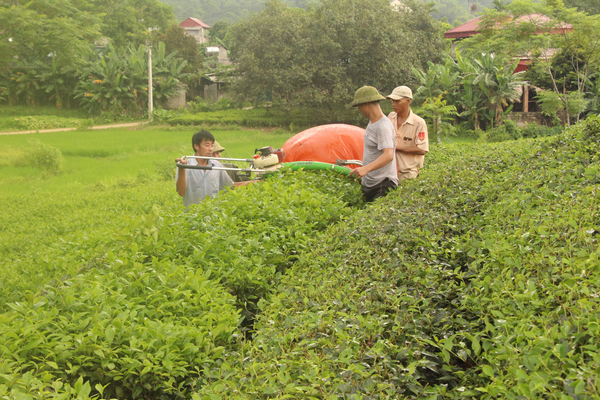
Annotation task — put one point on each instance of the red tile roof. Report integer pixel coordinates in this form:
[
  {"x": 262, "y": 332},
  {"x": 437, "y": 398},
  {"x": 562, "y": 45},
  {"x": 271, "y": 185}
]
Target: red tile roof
[
  {"x": 469, "y": 29},
  {"x": 465, "y": 30},
  {"x": 192, "y": 22}
]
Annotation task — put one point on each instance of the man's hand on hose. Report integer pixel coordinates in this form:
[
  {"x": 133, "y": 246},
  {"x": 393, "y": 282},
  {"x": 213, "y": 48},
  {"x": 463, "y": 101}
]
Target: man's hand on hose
[{"x": 358, "y": 172}]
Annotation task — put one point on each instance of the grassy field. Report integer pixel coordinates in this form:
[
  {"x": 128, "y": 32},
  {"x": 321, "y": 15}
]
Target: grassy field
[{"x": 110, "y": 156}]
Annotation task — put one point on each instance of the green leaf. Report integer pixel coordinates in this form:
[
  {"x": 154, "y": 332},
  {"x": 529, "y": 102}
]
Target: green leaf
[{"x": 486, "y": 369}]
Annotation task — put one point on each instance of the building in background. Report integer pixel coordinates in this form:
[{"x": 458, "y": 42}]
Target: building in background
[{"x": 196, "y": 28}]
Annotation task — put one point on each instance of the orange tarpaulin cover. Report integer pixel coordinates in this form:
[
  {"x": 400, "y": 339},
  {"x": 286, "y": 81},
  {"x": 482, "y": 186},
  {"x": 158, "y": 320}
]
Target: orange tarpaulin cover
[{"x": 326, "y": 143}]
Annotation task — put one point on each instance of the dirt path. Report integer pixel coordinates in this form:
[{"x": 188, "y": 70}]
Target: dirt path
[{"x": 127, "y": 125}]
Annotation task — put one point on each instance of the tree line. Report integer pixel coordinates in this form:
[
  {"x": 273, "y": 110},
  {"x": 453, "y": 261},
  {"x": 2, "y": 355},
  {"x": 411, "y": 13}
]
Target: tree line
[
  {"x": 91, "y": 54},
  {"x": 312, "y": 58}
]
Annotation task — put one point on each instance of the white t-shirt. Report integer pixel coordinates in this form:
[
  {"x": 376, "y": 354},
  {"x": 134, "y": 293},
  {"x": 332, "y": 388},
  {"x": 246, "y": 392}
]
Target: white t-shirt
[{"x": 202, "y": 183}]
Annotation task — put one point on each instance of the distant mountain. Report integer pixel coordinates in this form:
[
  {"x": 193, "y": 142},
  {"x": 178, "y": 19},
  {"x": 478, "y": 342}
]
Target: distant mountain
[{"x": 210, "y": 11}]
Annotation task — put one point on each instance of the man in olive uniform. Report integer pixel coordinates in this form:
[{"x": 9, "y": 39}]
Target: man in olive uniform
[
  {"x": 235, "y": 176},
  {"x": 412, "y": 141},
  {"x": 378, "y": 172}
]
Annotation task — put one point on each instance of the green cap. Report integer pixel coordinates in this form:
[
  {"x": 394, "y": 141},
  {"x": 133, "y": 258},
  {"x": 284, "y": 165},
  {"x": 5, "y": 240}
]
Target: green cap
[{"x": 366, "y": 94}]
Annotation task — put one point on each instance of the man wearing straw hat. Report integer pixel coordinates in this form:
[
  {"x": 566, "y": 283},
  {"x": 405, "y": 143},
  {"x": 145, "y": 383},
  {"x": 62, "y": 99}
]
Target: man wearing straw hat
[
  {"x": 378, "y": 172},
  {"x": 235, "y": 176}
]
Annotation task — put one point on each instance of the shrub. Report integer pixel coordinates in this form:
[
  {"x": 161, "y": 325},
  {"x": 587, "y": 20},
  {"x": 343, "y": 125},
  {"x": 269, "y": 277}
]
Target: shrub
[
  {"x": 137, "y": 329},
  {"x": 507, "y": 131},
  {"x": 533, "y": 130},
  {"x": 146, "y": 313},
  {"x": 201, "y": 105},
  {"x": 48, "y": 122},
  {"x": 45, "y": 157},
  {"x": 165, "y": 170}
]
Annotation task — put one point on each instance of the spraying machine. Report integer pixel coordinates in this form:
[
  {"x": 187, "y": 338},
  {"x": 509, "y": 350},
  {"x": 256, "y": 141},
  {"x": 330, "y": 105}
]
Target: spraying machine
[
  {"x": 335, "y": 147},
  {"x": 265, "y": 160}
]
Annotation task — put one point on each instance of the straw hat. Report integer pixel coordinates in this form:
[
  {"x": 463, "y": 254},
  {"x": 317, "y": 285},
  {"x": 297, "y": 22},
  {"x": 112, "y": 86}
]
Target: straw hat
[{"x": 217, "y": 147}]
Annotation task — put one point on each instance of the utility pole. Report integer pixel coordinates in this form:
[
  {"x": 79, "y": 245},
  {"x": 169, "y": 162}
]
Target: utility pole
[
  {"x": 150, "y": 83},
  {"x": 150, "y": 105}
]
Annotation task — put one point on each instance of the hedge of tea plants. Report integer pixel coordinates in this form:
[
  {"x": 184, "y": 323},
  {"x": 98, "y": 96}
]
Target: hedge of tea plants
[
  {"x": 478, "y": 280},
  {"x": 143, "y": 312}
]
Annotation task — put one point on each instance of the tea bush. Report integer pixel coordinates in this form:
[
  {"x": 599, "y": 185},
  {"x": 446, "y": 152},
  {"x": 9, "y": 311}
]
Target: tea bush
[
  {"x": 150, "y": 314},
  {"x": 478, "y": 280}
]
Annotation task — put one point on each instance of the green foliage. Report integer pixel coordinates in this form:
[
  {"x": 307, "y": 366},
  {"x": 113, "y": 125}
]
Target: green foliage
[
  {"x": 154, "y": 329},
  {"x": 550, "y": 103},
  {"x": 51, "y": 48},
  {"x": 38, "y": 29},
  {"x": 147, "y": 313},
  {"x": 481, "y": 88},
  {"x": 47, "y": 122},
  {"x": 508, "y": 130},
  {"x": 118, "y": 82},
  {"x": 126, "y": 22},
  {"x": 500, "y": 133},
  {"x": 177, "y": 40},
  {"x": 439, "y": 116},
  {"x": 471, "y": 282},
  {"x": 478, "y": 280},
  {"x": 45, "y": 157},
  {"x": 541, "y": 28},
  {"x": 200, "y": 105},
  {"x": 586, "y": 6},
  {"x": 534, "y": 130},
  {"x": 319, "y": 57}
]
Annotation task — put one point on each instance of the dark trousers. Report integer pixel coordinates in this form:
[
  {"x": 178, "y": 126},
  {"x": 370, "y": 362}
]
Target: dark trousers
[{"x": 380, "y": 190}]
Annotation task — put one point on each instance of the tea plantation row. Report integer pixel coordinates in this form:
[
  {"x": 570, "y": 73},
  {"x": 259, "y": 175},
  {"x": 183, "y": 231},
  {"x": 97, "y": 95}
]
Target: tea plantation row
[
  {"x": 478, "y": 280},
  {"x": 143, "y": 312}
]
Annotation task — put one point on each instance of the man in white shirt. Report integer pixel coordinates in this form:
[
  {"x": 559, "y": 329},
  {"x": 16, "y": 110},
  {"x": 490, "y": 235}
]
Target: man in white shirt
[{"x": 195, "y": 184}]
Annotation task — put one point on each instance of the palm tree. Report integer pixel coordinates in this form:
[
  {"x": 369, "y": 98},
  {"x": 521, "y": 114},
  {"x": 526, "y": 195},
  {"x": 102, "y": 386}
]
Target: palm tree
[{"x": 499, "y": 5}]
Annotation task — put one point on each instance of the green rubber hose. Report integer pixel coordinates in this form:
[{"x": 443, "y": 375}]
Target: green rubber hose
[{"x": 316, "y": 165}]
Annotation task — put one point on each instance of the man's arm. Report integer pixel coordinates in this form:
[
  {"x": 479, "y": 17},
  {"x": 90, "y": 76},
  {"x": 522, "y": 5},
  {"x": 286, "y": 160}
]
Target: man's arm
[
  {"x": 243, "y": 183},
  {"x": 412, "y": 150},
  {"x": 419, "y": 140},
  {"x": 385, "y": 158},
  {"x": 181, "y": 182}
]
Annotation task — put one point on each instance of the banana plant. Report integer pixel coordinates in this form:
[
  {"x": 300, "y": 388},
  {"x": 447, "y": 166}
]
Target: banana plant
[
  {"x": 28, "y": 86},
  {"x": 498, "y": 81},
  {"x": 58, "y": 83},
  {"x": 440, "y": 115},
  {"x": 473, "y": 105},
  {"x": 107, "y": 86}
]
